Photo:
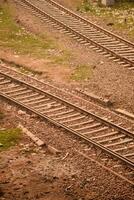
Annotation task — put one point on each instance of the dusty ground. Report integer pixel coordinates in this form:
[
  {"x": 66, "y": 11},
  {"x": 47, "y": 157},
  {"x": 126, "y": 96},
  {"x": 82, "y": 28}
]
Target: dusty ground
[
  {"x": 28, "y": 172},
  {"x": 105, "y": 78}
]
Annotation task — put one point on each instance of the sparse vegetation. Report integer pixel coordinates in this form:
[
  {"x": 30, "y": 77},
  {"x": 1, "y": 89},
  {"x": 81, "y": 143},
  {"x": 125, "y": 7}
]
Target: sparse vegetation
[
  {"x": 9, "y": 138},
  {"x": 61, "y": 59},
  {"x": 14, "y": 37},
  {"x": 121, "y": 14},
  {"x": 82, "y": 73},
  {"x": 23, "y": 69},
  {"x": 86, "y": 6}
]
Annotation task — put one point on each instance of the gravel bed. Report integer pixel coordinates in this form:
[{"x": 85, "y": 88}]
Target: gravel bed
[
  {"x": 100, "y": 21},
  {"x": 83, "y": 179},
  {"x": 52, "y": 135},
  {"x": 108, "y": 79},
  {"x": 68, "y": 96}
]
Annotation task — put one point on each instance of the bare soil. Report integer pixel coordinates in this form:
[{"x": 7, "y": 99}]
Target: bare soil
[
  {"x": 29, "y": 172},
  {"x": 107, "y": 79}
]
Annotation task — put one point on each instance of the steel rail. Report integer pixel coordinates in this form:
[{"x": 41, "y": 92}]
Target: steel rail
[
  {"x": 70, "y": 12},
  {"x": 82, "y": 110},
  {"x": 59, "y": 89},
  {"x": 129, "y": 162},
  {"x": 85, "y": 38}
]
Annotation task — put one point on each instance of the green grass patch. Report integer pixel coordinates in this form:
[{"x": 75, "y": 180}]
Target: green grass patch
[
  {"x": 123, "y": 4},
  {"x": 9, "y": 138},
  {"x": 86, "y": 6},
  {"x": 62, "y": 58},
  {"x": 82, "y": 73},
  {"x": 16, "y": 38}
]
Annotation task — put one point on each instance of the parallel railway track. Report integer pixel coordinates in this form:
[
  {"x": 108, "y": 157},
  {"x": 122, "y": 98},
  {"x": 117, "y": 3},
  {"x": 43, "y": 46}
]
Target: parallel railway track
[
  {"x": 105, "y": 135},
  {"x": 103, "y": 41}
]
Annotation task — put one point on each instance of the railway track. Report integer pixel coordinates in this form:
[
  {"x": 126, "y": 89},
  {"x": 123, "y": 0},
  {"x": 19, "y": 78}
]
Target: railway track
[
  {"x": 105, "y": 135},
  {"x": 87, "y": 33}
]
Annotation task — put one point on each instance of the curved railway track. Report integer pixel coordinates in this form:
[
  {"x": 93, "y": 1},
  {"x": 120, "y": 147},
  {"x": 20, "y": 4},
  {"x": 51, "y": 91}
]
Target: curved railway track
[
  {"x": 103, "y": 41},
  {"x": 105, "y": 135}
]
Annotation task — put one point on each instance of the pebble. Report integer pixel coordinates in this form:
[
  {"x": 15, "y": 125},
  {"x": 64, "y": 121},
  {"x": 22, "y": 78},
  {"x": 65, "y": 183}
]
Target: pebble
[
  {"x": 33, "y": 154},
  {"x": 21, "y": 112},
  {"x": 101, "y": 62}
]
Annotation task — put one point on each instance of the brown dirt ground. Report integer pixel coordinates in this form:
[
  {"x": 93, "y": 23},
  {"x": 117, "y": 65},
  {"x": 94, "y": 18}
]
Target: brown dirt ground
[
  {"x": 30, "y": 173},
  {"x": 107, "y": 79}
]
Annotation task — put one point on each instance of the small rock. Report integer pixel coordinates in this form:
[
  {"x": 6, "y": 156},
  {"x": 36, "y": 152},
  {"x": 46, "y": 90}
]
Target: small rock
[
  {"x": 101, "y": 62},
  {"x": 16, "y": 56},
  {"x": 33, "y": 154},
  {"x": 21, "y": 112}
]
